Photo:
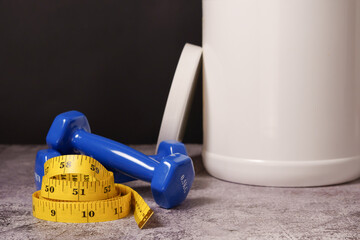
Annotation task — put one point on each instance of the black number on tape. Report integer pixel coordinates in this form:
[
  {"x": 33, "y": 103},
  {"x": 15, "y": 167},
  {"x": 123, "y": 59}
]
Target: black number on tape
[
  {"x": 53, "y": 213},
  {"x": 107, "y": 189},
  {"x": 51, "y": 189},
  {"x": 91, "y": 214},
  {"x": 62, "y": 164},
  {"x": 94, "y": 168},
  {"x": 116, "y": 210}
]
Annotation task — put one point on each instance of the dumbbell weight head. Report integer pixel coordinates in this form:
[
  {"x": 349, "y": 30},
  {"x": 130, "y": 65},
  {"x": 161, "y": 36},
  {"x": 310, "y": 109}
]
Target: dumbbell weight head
[
  {"x": 62, "y": 130},
  {"x": 174, "y": 175}
]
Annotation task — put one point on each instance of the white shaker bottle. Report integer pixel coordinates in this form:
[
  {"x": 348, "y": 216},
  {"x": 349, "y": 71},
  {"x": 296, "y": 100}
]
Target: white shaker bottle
[{"x": 282, "y": 91}]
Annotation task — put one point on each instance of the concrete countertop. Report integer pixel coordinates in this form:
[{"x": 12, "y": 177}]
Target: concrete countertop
[{"x": 214, "y": 209}]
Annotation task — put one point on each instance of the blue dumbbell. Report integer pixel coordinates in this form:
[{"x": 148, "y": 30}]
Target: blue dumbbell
[
  {"x": 43, "y": 155},
  {"x": 170, "y": 171}
]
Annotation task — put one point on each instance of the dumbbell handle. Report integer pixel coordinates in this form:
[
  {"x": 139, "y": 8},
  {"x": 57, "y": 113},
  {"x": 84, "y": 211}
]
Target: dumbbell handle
[{"x": 114, "y": 154}]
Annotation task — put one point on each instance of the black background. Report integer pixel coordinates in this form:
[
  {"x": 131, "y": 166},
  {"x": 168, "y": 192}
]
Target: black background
[{"x": 112, "y": 60}]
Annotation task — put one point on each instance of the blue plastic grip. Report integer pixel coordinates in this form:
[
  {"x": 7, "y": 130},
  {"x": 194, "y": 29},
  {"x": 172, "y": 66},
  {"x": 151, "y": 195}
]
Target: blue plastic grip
[{"x": 115, "y": 155}]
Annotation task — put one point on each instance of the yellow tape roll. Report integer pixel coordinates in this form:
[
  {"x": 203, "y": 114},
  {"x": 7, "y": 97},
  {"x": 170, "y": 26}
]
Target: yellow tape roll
[{"x": 77, "y": 189}]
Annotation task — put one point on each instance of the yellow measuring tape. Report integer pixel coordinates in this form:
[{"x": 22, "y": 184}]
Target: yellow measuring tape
[{"x": 78, "y": 189}]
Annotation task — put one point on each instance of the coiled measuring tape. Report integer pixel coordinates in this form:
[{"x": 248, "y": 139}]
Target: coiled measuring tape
[{"x": 78, "y": 189}]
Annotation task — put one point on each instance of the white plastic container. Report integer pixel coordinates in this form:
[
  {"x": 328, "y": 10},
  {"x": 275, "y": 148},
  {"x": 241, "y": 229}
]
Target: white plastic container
[{"x": 282, "y": 91}]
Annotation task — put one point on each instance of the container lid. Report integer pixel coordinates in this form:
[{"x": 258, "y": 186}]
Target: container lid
[{"x": 180, "y": 96}]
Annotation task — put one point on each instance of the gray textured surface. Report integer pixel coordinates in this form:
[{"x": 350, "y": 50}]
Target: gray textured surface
[{"x": 214, "y": 209}]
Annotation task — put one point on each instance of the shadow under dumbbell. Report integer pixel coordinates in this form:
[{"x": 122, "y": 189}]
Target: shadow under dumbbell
[
  {"x": 193, "y": 203},
  {"x": 142, "y": 188}
]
